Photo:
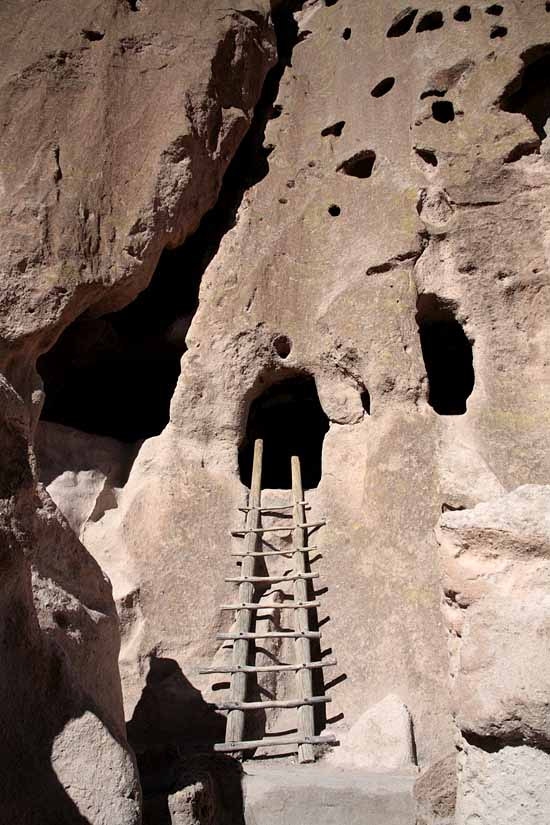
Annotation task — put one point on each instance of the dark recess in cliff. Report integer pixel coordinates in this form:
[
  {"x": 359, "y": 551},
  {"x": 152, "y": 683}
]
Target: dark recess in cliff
[
  {"x": 289, "y": 418},
  {"x": 447, "y": 354},
  {"x": 529, "y": 93},
  {"x": 115, "y": 376}
]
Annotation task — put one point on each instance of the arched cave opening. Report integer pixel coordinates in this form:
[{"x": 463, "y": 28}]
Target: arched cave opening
[
  {"x": 289, "y": 418},
  {"x": 447, "y": 354},
  {"x": 115, "y": 375}
]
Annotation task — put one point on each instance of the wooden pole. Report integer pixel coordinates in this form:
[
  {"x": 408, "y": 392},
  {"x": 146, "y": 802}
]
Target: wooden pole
[
  {"x": 235, "y": 720},
  {"x": 304, "y": 681}
]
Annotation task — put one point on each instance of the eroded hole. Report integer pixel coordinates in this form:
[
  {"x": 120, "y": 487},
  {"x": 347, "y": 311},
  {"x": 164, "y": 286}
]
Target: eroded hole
[
  {"x": 359, "y": 165},
  {"x": 282, "y": 345},
  {"x": 430, "y": 22},
  {"x": 61, "y": 619},
  {"x": 382, "y": 88},
  {"x": 334, "y": 210},
  {"x": 447, "y": 354},
  {"x": 427, "y": 155},
  {"x": 463, "y": 14},
  {"x": 289, "y": 418},
  {"x": 336, "y": 129},
  {"x": 365, "y": 401},
  {"x": 402, "y": 23},
  {"x": 329, "y": 3},
  {"x": 496, "y": 9},
  {"x": 433, "y": 93},
  {"x": 92, "y": 35},
  {"x": 498, "y": 31},
  {"x": 443, "y": 111},
  {"x": 346, "y": 34},
  {"x": 529, "y": 93}
]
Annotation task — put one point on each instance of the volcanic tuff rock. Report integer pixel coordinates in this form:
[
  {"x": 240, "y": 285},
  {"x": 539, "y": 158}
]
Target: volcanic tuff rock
[{"x": 394, "y": 178}]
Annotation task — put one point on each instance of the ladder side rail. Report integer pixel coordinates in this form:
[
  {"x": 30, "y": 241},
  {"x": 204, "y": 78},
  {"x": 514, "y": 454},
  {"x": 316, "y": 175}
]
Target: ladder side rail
[
  {"x": 304, "y": 680},
  {"x": 245, "y": 618}
]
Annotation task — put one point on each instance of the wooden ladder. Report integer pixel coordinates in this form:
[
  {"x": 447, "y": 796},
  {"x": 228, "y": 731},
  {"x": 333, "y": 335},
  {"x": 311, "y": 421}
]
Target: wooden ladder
[{"x": 245, "y": 631}]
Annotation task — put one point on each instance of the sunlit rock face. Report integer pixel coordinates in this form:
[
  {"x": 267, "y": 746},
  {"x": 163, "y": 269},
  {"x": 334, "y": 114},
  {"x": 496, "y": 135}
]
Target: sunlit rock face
[{"x": 350, "y": 197}]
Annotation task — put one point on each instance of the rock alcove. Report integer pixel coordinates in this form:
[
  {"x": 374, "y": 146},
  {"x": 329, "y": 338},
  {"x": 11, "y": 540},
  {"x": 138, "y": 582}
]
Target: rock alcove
[{"x": 289, "y": 418}]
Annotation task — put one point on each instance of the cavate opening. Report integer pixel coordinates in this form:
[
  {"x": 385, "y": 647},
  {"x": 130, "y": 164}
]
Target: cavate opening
[
  {"x": 115, "y": 375},
  {"x": 383, "y": 87},
  {"x": 335, "y": 130},
  {"x": 463, "y": 14},
  {"x": 282, "y": 345},
  {"x": 430, "y": 22},
  {"x": 358, "y": 166},
  {"x": 346, "y": 34},
  {"x": 498, "y": 31},
  {"x": 443, "y": 111},
  {"x": 529, "y": 93},
  {"x": 447, "y": 354},
  {"x": 496, "y": 9},
  {"x": 365, "y": 401},
  {"x": 427, "y": 155},
  {"x": 334, "y": 210},
  {"x": 289, "y": 418},
  {"x": 402, "y": 23}
]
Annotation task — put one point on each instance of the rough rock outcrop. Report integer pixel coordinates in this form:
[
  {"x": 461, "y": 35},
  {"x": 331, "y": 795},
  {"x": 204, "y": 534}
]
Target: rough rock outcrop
[
  {"x": 496, "y": 578},
  {"x": 385, "y": 219}
]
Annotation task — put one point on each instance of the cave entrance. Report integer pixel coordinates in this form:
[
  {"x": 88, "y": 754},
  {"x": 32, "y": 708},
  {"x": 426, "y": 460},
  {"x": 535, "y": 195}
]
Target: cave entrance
[
  {"x": 531, "y": 94},
  {"x": 447, "y": 354},
  {"x": 115, "y": 375},
  {"x": 289, "y": 418}
]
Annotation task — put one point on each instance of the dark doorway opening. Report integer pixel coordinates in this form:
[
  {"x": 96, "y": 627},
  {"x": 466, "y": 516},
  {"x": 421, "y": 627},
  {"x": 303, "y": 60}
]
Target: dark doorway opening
[
  {"x": 447, "y": 354},
  {"x": 289, "y": 418}
]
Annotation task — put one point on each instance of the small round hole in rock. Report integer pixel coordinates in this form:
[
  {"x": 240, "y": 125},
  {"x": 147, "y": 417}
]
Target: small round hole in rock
[
  {"x": 61, "y": 619},
  {"x": 336, "y": 129},
  {"x": 498, "y": 31},
  {"x": 92, "y": 35},
  {"x": 282, "y": 345},
  {"x": 443, "y": 111},
  {"x": 427, "y": 155},
  {"x": 359, "y": 165},
  {"x": 334, "y": 210},
  {"x": 430, "y": 22},
  {"x": 383, "y": 87},
  {"x": 463, "y": 14},
  {"x": 346, "y": 34},
  {"x": 402, "y": 23},
  {"x": 496, "y": 9}
]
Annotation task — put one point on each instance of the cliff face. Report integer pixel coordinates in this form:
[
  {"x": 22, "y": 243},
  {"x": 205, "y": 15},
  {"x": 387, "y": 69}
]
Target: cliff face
[{"x": 348, "y": 192}]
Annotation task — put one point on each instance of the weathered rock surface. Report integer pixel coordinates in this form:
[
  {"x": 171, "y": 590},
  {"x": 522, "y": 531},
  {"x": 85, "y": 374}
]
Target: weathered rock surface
[
  {"x": 496, "y": 577},
  {"x": 397, "y": 178},
  {"x": 380, "y": 741},
  {"x": 435, "y": 793}
]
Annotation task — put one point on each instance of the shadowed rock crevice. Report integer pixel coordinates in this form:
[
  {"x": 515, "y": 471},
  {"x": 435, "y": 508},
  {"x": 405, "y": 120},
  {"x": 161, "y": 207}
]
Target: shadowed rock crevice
[
  {"x": 290, "y": 419},
  {"x": 529, "y": 93},
  {"x": 115, "y": 376},
  {"x": 447, "y": 354},
  {"x": 402, "y": 23}
]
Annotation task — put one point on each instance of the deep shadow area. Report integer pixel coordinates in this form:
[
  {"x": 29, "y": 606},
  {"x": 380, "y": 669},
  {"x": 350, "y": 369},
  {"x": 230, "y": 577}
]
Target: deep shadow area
[
  {"x": 289, "y": 418},
  {"x": 447, "y": 354},
  {"x": 116, "y": 375},
  {"x": 529, "y": 94}
]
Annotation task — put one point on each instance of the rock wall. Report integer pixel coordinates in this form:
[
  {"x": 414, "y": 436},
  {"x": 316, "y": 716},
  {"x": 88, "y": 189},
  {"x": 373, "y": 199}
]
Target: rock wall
[{"x": 391, "y": 188}]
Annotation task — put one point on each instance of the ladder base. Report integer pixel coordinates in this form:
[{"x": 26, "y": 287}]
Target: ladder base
[{"x": 228, "y": 747}]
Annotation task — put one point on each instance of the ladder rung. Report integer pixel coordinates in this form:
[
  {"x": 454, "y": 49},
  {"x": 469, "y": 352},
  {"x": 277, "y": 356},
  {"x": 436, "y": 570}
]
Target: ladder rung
[
  {"x": 227, "y": 747},
  {"x": 274, "y": 703},
  {"x": 276, "y": 552},
  {"x": 272, "y": 509},
  {"x": 269, "y": 605},
  {"x": 272, "y": 634},
  {"x": 292, "y": 578},
  {"x": 304, "y": 526},
  {"x": 268, "y": 668}
]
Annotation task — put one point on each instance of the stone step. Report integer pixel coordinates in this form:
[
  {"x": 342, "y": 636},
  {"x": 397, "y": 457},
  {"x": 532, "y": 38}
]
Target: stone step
[{"x": 318, "y": 795}]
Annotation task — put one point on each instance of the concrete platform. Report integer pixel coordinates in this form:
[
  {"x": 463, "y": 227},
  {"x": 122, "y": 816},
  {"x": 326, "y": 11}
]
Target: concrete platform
[{"x": 318, "y": 795}]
